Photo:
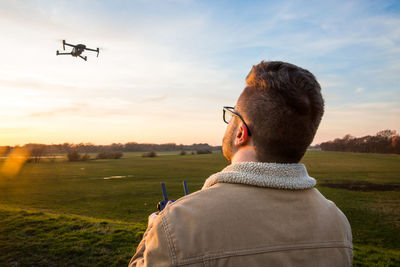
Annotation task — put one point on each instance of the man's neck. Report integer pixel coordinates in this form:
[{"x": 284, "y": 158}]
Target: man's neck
[{"x": 245, "y": 154}]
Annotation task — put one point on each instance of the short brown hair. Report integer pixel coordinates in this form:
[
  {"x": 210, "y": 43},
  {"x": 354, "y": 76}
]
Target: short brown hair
[{"x": 283, "y": 106}]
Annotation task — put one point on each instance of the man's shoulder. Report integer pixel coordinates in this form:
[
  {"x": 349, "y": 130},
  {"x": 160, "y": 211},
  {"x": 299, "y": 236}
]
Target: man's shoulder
[
  {"x": 226, "y": 203},
  {"x": 230, "y": 198},
  {"x": 244, "y": 218},
  {"x": 205, "y": 207}
]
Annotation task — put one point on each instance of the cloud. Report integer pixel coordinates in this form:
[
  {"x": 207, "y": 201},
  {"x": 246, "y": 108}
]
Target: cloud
[
  {"x": 33, "y": 84},
  {"x": 102, "y": 108},
  {"x": 371, "y": 107},
  {"x": 154, "y": 99},
  {"x": 58, "y": 111},
  {"x": 359, "y": 90}
]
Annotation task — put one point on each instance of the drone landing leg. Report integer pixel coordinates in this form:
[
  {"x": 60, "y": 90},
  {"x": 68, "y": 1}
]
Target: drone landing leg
[{"x": 84, "y": 58}]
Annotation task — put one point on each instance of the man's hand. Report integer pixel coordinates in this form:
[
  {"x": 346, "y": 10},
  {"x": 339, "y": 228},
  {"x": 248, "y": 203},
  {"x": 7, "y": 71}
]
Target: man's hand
[{"x": 154, "y": 214}]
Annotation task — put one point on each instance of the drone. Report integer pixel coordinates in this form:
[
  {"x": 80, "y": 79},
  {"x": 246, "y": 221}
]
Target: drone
[{"x": 77, "y": 50}]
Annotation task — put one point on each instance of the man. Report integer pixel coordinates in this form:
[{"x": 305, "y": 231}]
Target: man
[{"x": 262, "y": 209}]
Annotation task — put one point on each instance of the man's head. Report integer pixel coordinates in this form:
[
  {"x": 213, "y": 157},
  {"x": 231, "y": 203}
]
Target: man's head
[{"x": 282, "y": 106}]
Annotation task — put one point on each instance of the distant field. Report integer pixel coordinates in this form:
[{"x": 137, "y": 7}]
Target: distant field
[{"x": 67, "y": 211}]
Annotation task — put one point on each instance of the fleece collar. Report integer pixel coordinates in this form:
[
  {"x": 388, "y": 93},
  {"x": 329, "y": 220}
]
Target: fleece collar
[{"x": 272, "y": 175}]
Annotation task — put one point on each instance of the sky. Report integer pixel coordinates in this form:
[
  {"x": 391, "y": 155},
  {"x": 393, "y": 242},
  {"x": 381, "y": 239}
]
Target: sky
[{"x": 166, "y": 68}]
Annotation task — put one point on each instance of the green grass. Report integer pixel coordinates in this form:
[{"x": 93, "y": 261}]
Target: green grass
[
  {"x": 341, "y": 167},
  {"x": 375, "y": 256},
  {"x": 31, "y": 238},
  {"x": 65, "y": 213},
  {"x": 79, "y": 187}
]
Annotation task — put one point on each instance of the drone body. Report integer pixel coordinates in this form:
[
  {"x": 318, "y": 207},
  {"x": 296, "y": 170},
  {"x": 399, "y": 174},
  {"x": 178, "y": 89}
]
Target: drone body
[{"x": 77, "y": 50}]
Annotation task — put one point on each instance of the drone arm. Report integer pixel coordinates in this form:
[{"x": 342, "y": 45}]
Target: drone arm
[
  {"x": 69, "y": 44},
  {"x": 94, "y": 50},
  {"x": 58, "y": 53}
]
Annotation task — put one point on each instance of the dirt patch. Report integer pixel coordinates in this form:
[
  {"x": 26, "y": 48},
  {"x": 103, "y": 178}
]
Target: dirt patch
[{"x": 363, "y": 186}]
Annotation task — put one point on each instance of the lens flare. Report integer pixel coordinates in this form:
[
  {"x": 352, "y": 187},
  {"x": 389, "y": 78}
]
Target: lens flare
[
  {"x": 14, "y": 162},
  {"x": 3, "y": 151}
]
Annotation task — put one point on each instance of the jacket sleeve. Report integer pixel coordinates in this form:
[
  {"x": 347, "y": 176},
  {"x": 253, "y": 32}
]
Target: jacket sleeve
[{"x": 154, "y": 249}]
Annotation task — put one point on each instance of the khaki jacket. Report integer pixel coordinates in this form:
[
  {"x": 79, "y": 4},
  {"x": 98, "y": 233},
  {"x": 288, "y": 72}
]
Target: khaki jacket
[{"x": 250, "y": 214}]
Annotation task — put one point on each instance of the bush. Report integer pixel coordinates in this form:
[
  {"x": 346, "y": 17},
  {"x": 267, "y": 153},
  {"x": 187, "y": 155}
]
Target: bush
[
  {"x": 183, "y": 153},
  {"x": 85, "y": 157},
  {"x": 73, "y": 156},
  {"x": 149, "y": 154},
  {"x": 203, "y": 151},
  {"x": 118, "y": 154},
  {"x": 109, "y": 155}
]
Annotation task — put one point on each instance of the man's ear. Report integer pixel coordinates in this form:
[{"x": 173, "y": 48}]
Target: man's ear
[{"x": 242, "y": 135}]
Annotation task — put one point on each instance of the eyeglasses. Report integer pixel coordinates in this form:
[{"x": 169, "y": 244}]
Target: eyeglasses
[{"x": 228, "y": 112}]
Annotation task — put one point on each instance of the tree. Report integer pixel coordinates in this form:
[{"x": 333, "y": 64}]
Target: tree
[
  {"x": 385, "y": 134},
  {"x": 386, "y": 141},
  {"x": 37, "y": 151}
]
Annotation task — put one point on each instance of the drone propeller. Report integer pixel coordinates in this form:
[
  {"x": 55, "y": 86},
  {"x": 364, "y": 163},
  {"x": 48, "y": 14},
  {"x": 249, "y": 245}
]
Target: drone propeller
[{"x": 98, "y": 50}]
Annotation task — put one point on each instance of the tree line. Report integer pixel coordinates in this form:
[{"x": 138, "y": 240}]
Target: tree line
[
  {"x": 115, "y": 150},
  {"x": 386, "y": 141}
]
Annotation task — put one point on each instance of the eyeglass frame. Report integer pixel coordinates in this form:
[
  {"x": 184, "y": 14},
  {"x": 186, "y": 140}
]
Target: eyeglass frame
[{"x": 230, "y": 109}]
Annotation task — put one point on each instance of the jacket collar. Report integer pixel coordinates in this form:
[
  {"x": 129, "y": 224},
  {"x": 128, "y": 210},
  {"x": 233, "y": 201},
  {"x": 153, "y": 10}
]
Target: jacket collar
[{"x": 272, "y": 175}]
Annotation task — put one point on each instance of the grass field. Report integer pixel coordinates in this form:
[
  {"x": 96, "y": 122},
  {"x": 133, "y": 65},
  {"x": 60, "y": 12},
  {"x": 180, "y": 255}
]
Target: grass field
[{"x": 66, "y": 213}]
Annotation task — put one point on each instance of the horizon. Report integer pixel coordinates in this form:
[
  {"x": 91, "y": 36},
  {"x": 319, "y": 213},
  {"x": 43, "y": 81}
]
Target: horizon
[
  {"x": 166, "y": 68},
  {"x": 109, "y": 144},
  {"x": 394, "y": 132}
]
